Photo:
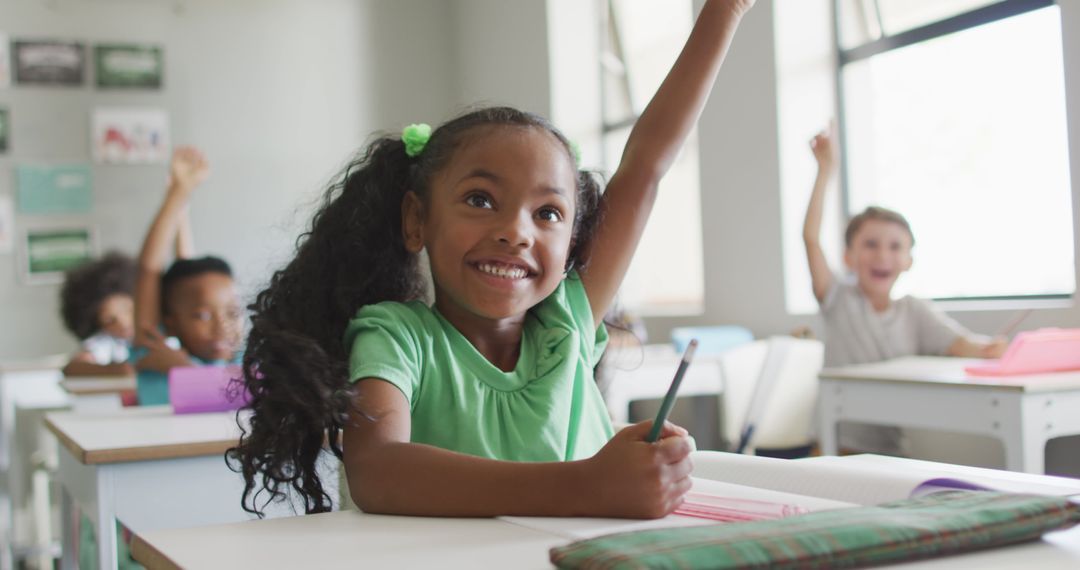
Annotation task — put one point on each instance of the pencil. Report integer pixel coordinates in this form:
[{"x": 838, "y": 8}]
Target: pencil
[{"x": 669, "y": 398}]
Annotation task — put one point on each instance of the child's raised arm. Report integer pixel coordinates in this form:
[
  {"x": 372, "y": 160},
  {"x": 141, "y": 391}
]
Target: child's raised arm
[
  {"x": 825, "y": 153},
  {"x": 188, "y": 169},
  {"x": 653, "y": 145},
  {"x": 629, "y": 477}
]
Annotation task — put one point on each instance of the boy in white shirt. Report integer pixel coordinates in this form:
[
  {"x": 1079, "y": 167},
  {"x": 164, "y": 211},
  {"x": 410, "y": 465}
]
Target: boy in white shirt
[{"x": 863, "y": 323}]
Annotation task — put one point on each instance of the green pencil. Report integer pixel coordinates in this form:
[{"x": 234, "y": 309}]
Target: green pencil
[{"x": 669, "y": 398}]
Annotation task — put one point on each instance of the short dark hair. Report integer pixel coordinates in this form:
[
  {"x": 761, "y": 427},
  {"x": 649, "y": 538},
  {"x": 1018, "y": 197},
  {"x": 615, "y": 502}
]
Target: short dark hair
[
  {"x": 88, "y": 285},
  {"x": 185, "y": 268},
  {"x": 876, "y": 213}
]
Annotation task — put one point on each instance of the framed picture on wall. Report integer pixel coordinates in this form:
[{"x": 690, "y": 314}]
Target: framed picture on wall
[
  {"x": 5, "y": 129},
  {"x": 130, "y": 136},
  {"x": 129, "y": 66},
  {"x": 47, "y": 252},
  {"x": 49, "y": 62}
]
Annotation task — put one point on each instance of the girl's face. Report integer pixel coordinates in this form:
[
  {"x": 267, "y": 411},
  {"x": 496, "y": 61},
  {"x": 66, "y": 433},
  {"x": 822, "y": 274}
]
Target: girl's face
[
  {"x": 880, "y": 251},
  {"x": 498, "y": 222},
  {"x": 116, "y": 316}
]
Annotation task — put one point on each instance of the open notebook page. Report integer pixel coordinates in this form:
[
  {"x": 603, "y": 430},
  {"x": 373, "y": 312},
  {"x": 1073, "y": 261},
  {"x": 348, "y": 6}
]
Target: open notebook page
[
  {"x": 577, "y": 528},
  {"x": 996, "y": 479},
  {"x": 860, "y": 484}
]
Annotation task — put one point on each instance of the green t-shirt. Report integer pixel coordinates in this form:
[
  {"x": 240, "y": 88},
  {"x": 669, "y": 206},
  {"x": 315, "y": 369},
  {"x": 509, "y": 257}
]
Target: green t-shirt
[{"x": 547, "y": 409}]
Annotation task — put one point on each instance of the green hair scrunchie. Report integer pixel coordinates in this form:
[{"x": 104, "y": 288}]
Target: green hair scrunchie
[
  {"x": 575, "y": 150},
  {"x": 415, "y": 137}
]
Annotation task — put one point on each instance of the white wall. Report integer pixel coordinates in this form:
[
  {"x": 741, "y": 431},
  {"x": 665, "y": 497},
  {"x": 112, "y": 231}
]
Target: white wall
[{"x": 278, "y": 92}]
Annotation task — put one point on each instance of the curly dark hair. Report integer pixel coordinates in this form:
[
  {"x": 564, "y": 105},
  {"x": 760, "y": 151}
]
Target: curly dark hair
[
  {"x": 88, "y": 285},
  {"x": 295, "y": 363}
]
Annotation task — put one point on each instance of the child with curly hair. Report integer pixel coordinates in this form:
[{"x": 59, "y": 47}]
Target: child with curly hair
[
  {"x": 96, "y": 305},
  {"x": 484, "y": 403}
]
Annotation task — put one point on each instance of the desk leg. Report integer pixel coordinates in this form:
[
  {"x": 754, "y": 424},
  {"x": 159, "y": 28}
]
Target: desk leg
[
  {"x": 68, "y": 539},
  {"x": 828, "y": 400},
  {"x": 106, "y": 519},
  {"x": 1024, "y": 429}
]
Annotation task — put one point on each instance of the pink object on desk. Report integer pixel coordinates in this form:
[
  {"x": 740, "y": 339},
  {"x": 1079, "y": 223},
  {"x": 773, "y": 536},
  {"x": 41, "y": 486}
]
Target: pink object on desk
[
  {"x": 200, "y": 389},
  {"x": 1034, "y": 352},
  {"x": 732, "y": 509}
]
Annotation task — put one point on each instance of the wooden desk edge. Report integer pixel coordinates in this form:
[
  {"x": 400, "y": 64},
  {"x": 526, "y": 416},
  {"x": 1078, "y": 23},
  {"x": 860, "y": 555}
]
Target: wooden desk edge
[
  {"x": 97, "y": 391},
  {"x": 143, "y": 453},
  {"x": 853, "y": 377},
  {"x": 145, "y": 553},
  {"x": 66, "y": 441}
]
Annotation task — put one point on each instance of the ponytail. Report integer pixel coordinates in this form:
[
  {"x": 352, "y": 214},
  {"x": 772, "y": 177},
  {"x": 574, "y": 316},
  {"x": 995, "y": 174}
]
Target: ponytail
[{"x": 295, "y": 362}]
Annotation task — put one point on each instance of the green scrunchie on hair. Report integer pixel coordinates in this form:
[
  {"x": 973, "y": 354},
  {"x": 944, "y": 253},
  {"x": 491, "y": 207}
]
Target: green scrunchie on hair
[{"x": 415, "y": 137}]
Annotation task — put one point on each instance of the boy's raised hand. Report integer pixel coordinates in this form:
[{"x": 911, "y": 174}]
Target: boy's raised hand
[
  {"x": 633, "y": 478},
  {"x": 189, "y": 168},
  {"x": 824, "y": 148}
]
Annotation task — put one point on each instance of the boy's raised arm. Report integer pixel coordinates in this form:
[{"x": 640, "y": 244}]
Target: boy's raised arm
[
  {"x": 653, "y": 145},
  {"x": 820, "y": 275},
  {"x": 189, "y": 168}
]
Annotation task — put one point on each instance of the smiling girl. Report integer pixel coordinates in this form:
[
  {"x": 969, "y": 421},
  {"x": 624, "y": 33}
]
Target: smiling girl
[{"x": 484, "y": 403}]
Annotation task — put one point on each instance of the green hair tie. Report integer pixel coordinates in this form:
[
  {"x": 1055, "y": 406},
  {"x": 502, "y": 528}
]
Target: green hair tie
[
  {"x": 575, "y": 150},
  {"x": 415, "y": 137}
]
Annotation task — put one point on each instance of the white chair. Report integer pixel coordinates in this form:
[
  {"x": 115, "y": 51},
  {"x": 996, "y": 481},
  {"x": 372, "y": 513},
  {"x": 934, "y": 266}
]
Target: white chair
[{"x": 780, "y": 413}]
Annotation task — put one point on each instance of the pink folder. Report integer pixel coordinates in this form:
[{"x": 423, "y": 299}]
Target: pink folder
[
  {"x": 200, "y": 389},
  {"x": 1034, "y": 352}
]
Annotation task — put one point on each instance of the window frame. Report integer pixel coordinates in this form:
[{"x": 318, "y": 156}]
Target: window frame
[{"x": 960, "y": 22}]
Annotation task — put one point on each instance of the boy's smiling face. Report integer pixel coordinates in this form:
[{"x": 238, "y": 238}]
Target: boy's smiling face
[
  {"x": 879, "y": 252},
  {"x": 498, "y": 222},
  {"x": 204, "y": 313}
]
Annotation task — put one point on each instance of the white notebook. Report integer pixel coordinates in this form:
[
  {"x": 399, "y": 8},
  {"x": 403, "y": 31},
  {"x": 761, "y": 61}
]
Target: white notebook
[{"x": 811, "y": 484}]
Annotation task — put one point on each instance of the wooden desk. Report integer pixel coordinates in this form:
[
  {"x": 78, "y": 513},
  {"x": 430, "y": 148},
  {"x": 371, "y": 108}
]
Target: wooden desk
[
  {"x": 97, "y": 393},
  {"x": 26, "y": 383},
  {"x": 151, "y": 470},
  {"x": 350, "y": 539},
  {"x": 1024, "y": 412}
]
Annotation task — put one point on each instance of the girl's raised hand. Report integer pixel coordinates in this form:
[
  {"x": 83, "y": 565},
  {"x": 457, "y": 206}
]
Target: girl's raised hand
[
  {"x": 189, "y": 168},
  {"x": 633, "y": 478},
  {"x": 739, "y": 7}
]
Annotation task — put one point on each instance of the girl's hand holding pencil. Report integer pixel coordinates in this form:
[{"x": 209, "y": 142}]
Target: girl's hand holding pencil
[{"x": 633, "y": 478}]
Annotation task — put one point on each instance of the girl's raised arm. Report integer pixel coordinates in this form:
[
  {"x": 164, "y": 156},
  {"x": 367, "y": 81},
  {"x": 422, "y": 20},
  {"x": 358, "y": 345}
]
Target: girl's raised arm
[{"x": 652, "y": 147}]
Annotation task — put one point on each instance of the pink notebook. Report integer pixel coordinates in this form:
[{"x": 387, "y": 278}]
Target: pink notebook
[
  {"x": 1034, "y": 352},
  {"x": 200, "y": 389}
]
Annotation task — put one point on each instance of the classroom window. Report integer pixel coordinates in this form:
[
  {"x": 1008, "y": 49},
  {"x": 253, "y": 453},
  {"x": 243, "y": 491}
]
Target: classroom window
[
  {"x": 806, "y": 100},
  {"x": 953, "y": 113},
  {"x": 641, "y": 40}
]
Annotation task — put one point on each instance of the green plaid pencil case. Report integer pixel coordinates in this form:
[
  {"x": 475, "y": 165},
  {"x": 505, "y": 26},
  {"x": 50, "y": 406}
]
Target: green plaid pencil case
[{"x": 935, "y": 525}]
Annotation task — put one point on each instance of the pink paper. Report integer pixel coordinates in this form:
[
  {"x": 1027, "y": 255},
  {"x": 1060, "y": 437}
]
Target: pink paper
[
  {"x": 200, "y": 389},
  {"x": 1034, "y": 352}
]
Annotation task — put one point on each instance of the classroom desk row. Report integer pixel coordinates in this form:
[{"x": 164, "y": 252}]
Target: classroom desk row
[
  {"x": 350, "y": 539},
  {"x": 149, "y": 468}
]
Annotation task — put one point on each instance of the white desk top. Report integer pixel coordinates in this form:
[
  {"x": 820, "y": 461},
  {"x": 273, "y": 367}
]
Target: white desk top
[
  {"x": 52, "y": 362},
  {"x": 90, "y": 385},
  {"x": 945, "y": 371},
  {"x": 141, "y": 434},
  {"x": 348, "y": 539}
]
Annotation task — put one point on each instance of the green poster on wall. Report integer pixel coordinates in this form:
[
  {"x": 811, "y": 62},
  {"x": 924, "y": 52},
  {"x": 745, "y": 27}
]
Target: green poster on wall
[
  {"x": 129, "y": 66},
  {"x": 53, "y": 189},
  {"x": 49, "y": 252}
]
